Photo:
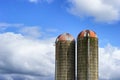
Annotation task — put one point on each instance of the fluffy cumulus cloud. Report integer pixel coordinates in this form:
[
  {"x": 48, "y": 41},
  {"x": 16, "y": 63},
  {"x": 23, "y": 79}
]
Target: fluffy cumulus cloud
[
  {"x": 100, "y": 10},
  {"x": 109, "y": 63},
  {"x": 24, "y": 58}
]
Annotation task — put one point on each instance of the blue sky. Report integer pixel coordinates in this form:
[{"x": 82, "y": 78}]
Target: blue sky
[
  {"x": 28, "y": 26},
  {"x": 56, "y": 15}
]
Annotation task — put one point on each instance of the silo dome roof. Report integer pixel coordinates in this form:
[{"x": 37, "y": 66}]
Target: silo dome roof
[
  {"x": 65, "y": 37},
  {"x": 87, "y": 33}
]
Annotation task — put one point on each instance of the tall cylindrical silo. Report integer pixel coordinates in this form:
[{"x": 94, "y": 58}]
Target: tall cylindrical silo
[
  {"x": 65, "y": 57},
  {"x": 87, "y": 55}
]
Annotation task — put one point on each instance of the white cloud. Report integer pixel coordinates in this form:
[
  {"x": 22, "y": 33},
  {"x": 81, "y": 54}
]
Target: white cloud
[
  {"x": 27, "y": 30},
  {"x": 4, "y": 25},
  {"x": 39, "y": 1},
  {"x": 34, "y": 1},
  {"x": 100, "y": 10},
  {"x": 31, "y": 31},
  {"x": 20, "y": 55},
  {"x": 109, "y": 62}
]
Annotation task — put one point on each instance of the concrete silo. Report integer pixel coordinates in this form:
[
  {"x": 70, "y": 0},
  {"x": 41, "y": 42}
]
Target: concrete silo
[
  {"x": 87, "y": 55},
  {"x": 65, "y": 57}
]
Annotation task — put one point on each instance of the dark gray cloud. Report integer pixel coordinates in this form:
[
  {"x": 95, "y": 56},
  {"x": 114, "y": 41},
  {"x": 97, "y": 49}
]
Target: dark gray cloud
[{"x": 24, "y": 77}]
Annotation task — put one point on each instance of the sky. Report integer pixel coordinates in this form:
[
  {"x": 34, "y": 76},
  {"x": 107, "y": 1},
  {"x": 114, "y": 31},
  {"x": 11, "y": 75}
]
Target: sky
[{"x": 28, "y": 29}]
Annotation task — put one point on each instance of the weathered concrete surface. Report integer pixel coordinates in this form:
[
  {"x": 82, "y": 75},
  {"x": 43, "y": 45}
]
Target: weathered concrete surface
[
  {"x": 87, "y": 58},
  {"x": 65, "y": 60}
]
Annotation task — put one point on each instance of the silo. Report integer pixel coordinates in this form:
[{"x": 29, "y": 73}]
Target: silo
[
  {"x": 87, "y": 55},
  {"x": 65, "y": 57}
]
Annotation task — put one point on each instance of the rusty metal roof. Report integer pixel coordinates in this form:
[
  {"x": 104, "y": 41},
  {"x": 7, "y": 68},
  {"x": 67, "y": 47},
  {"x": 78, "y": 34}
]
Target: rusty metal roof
[
  {"x": 65, "y": 37},
  {"x": 87, "y": 33}
]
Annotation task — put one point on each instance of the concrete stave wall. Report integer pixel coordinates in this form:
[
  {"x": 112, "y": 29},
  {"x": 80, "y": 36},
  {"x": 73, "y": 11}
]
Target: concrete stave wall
[
  {"x": 87, "y": 58},
  {"x": 65, "y": 60}
]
